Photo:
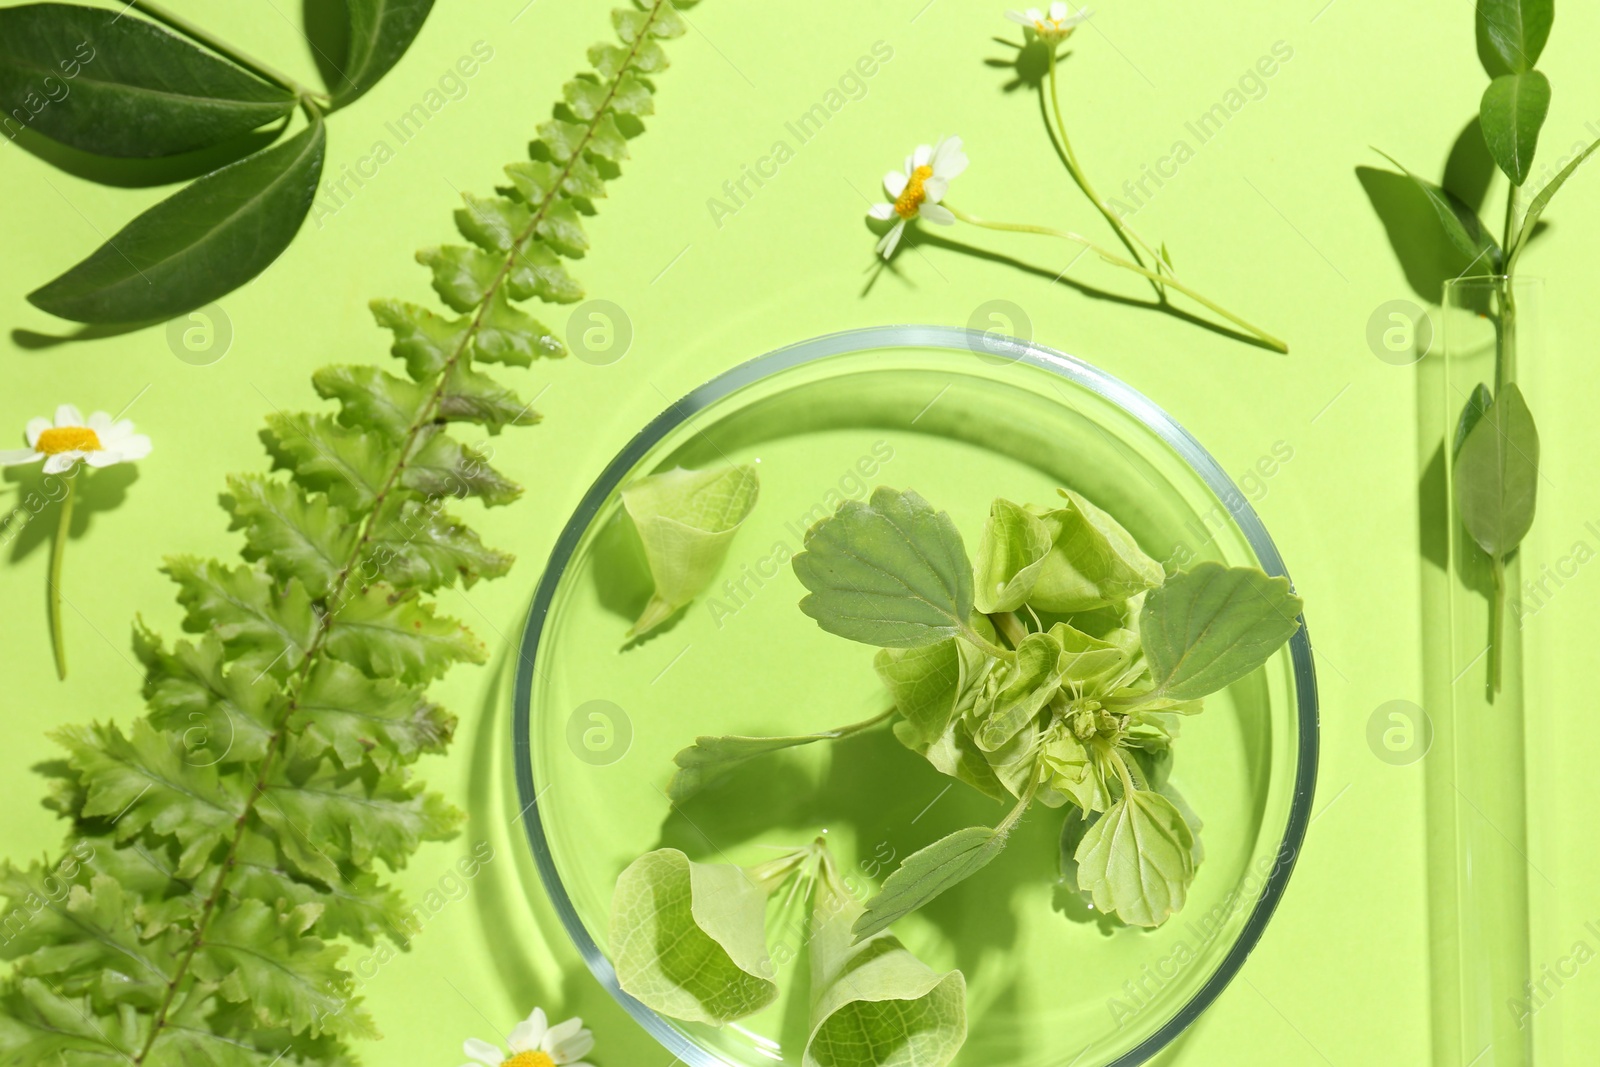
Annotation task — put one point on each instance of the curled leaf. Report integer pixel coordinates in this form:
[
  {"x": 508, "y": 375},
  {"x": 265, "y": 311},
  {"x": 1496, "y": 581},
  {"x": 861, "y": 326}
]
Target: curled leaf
[
  {"x": 689, "y": 939},
  {"x": 874, "y": 1003},
  {"x": 686, "y": 521},
  {"x": 1012, "y": 550},
  {"x": 1092, "y": 562}
]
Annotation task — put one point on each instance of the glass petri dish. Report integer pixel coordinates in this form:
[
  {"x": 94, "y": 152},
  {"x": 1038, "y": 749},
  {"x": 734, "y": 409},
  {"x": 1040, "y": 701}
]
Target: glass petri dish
[{"x": 961, "y": 417}]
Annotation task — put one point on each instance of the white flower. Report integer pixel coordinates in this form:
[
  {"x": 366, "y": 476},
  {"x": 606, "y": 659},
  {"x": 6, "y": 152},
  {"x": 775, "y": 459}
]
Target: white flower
[
  {"x": 534, "y": 1043},
  {"x": 1057, "y": 25},
  {"x": 918, "y": 190},
  {"x": 99, "y": 442}
]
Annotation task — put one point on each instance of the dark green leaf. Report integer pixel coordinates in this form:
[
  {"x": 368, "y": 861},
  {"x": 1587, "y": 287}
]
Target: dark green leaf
[
  {"x": 201, "y": 243},
  {"x": 1513, "y": 110},
  {"x": 1497, "y": 474},
  {"x": 380, "y": 33},
  {"x": 1461, "y": 224},
  {"x": 1512, "y": 34},
  {"x": 1530, "y": 220},
  {"x": 891, "y": 572},
  {"x": 1207, "y": 627},
  {"x": 109, "y": 83}
]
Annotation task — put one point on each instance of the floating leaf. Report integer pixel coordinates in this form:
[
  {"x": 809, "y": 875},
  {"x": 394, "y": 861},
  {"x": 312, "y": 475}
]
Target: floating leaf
[
  {"x": 1093, "y": 561},
  {"x": 1011, "y": 552},
  {"x": 1497, "y": 474},
  {"x": 689, "y": 939},
  {"x": 928, "y": 872},
  {"x": 135, "y": 89},
  {"x": 200, "y": 243},
  {"x": 380, "y": 33},
  {"x": 1208, "y": 627},
  {"x": 891, "y": 572},
  {"x": 874, "y": 1004},
  {"x": 1513, "y": 110},
  {"x": 1137, "y": 860},
  {"x": 686, "y": 521},
  {"x": 931, "y": 683}
]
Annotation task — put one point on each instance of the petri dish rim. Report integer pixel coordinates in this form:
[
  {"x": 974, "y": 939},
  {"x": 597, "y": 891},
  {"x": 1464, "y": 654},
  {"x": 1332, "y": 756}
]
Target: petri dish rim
[{"x": 1124, "y": 396}]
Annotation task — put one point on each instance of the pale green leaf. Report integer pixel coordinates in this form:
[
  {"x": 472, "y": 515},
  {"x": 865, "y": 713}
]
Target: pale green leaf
[
  {"x": 1212, "y": 625},
  {"x": 686, "y": 522},
  {"x": 890, "y": 572},
  {"x": 1011, "y": 552},
  {"x": 427, "y": 342},
  {"x": 536, "y": 271},
  {"x": 347, "y": 464},
  {"x": 1017, "y": 692},
  {"x": 507, "y": 335},
  {"x": 688, "y": 939},
  {"x": 471, "y": 396},
  {"x": 562, "y": 228},
  {"x": 1497, "y": 474},
  {"x": 246, "y": 610},
  {"x": 418, "y": 545},
  {"x": 928, "y": 872},
  {"x": 710, "y": 757},
  {"x": 392, "y": 635},
  {"x": 1093, "y": 561},
  {"x": 443, "y": 467},
  {"x": 359, "y": 718},
  {"x": 462, "y": 276},
  {"x": 493, "y": 224},
  {"x": 372, "y": 399},
  {"x": 222, "y": 712},
  {"x": 931, "y": 683},
  {"x": 299, "y": 536},
  {"x": 1137, "y": 860}
]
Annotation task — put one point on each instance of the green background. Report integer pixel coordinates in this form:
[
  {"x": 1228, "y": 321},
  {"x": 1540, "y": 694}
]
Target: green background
[{"x": 1268, "y": 217}]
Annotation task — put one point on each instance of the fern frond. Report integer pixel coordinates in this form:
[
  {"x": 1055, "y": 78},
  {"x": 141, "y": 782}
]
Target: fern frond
[{"x": 226, "y": 847}]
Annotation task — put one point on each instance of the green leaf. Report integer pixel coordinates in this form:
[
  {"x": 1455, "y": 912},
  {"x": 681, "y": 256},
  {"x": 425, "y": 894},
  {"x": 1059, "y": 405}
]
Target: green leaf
[
  {"x": 1513, "y": 110},
  {"x": 349, "y": 465},
  {"x": 1078, "y": 769},
  {"x": 372, "y": 399},
  {"x": 891, "y": 572},
  {"x": 506, "y": 335},
  {"x": 1461, "y": 224},
  {"x": 536, "y": 271},
  {"x": 256, "y": 621},
  {"x": 469, "y": 396},
  {"x": 258, "y": 956},
  {"x": 874, "y": 1004},
  {"x": 493, "y": 224},
  {"x": 711, "y": 757},
  {"x": 444, "y": 467},
  {"x": 223, "y": 713},
  {"x": 1512, "y": 34},
  {"x": 358, "y": 718},
  {"x": 562, "y": 227},
  {"x": 932, "y": 683},
  {"x": 1011, "y": 552},
  {"x": 1093, "y": 561},
  {"x": 135, "y": 89},
  {"x": 585, "y": 95},
  {"x": 462, "y": 276},
  {"x": 298, "y": 536},
  {"x": 38, "y": 1024},
  {"x": 427, "y": 342},
  {"x": 357, "y": 906},
  {"x": 145, "y": 781},
  {"x": 1137, "y": 860},
  {"x": 632, "y": 97},
  {"x": 199, "y": 244},
  {"x": 1536, "y": 207},
  {"x": 1089, "y": 661},
  {"x": 1497, "y": 474},
  {"x": 686, "y": 522},
  {"x": 563, "y": 139},
  {"x": 1210, "y": 626},
  {"x": 1477, "y": 404},
  {"x": 380, "y": 33},
  {"x": 928, "y": 872},
  {"x": 420, "y": 546},
  {"x": 1016, "y": 693},
  {"x": 606, "y": 140},
  {"x": 391, "y": 635},
  {"x": 688, "y": 939}
]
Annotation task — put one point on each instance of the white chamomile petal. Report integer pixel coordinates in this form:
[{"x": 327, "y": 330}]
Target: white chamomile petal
[
  {"x": 920, "y": 157},
  {"x": 483, "y": 1052},
  {"x": 61, "y": 462},
  {"x": 100, "y": 423},
  {"x": 1034, "y": 15},
  {"x": 104, "y": 458},
  {"x": 938, "y": 213},
  {"x": 1058, "y": 10},
  {"x": 933, "y": 191},
  {"x": 35, "y": 428},
  {"x": 562, "y": 1033},
  {"x": 573, "y": 1048},
  {"x": 891, "y": 240},
  {"x": 19, "y": 455},
  {"x": 881, "y": 211},
  {"x": 68, "y": 415},
  {"x": 527, "y": 1035},
  {"x": 894, "y": 183},
  {"x": 1019, "y": 18}
]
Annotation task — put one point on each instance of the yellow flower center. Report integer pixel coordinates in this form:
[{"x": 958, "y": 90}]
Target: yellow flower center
[
  {"x": 1052, "y": 29},
  {"x": 67, "y": 439},
  {"x": 912, "y": 196},
  {"x": 530, "y": 1059}
]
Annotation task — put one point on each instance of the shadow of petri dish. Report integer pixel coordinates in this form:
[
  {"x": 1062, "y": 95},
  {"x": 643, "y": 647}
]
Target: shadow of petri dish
[{"x": 962, "y": 418}]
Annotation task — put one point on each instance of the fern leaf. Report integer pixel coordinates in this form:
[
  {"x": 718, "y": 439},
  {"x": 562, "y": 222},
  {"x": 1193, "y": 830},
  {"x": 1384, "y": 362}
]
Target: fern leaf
[{"x": 356, "y": 717}]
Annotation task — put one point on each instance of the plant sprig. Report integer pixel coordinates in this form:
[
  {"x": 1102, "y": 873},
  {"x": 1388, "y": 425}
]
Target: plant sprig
[{"x": 224, "y": 846}]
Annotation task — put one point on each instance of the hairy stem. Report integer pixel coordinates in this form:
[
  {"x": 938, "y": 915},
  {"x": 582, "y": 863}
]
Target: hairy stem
[
  {"x": 1117, "y": 261},
  {"x": 341, "y": 584},
  {"x": 58, "y": 553},
  {"x": 1010, "y": 626}
]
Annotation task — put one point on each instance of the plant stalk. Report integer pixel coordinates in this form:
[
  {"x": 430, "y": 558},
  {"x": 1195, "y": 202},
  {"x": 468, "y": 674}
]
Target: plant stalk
[
  {"x": 204, "y": 36},
  {"x": 58, "y": 553},
  {"x": 1117, "y": 261}
]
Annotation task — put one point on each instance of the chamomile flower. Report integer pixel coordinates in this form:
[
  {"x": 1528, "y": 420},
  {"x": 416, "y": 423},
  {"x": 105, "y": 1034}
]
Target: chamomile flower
[
  {"x": 535, "y": 1043},
  {"x": 917, "y": 190},
  {"x": 98, "y": 441},
  {"x": 1055, "y": 25}
]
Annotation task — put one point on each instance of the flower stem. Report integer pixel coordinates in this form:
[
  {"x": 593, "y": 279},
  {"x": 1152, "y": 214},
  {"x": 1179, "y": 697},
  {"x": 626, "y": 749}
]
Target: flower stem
[
  {"x": 1117, "y": 261},
  {"x": 1127, "y": 233},
  {"x": 216, "y": 44},
  {"x": 58, "y": 552}
]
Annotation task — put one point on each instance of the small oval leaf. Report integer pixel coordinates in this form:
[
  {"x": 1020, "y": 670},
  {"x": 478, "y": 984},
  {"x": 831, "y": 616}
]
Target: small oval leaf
[
  {"x": 201, "y": 243},
  {"x": 1497, "y": 474},
  {"x": 1512, "y": 34},
  {"x": 1513, "y": 111},
  {"x": 108, "y": 83}
]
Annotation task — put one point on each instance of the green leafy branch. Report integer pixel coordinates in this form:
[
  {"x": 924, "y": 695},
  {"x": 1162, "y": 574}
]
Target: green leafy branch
[
  {"x": 140, "y": 92},
  {"x": 223, "y": 846},
  {"x": 1495, "y": 456}
]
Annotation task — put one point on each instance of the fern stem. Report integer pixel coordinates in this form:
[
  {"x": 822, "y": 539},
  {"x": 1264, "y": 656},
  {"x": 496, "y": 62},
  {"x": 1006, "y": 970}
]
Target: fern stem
[{"x": 313, "y": 653}]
